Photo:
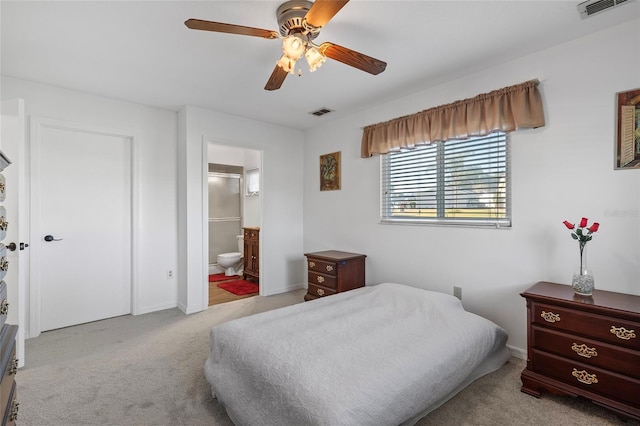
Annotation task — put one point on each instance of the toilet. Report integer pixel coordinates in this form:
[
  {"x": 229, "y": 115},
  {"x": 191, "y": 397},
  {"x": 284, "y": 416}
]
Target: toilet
[{"x": 232, "y": 262}]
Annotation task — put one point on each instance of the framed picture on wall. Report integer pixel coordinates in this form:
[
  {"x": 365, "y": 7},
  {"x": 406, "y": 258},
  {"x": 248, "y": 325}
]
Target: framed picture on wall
[
  {"x": 628, "y": 140},
  {"x": 330, "y": 171}
]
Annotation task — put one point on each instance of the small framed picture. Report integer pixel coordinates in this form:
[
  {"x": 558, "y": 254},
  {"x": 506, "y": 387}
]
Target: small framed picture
[
  {"x": 330, "y": 171},
  {"x": 628, "y": 140}
]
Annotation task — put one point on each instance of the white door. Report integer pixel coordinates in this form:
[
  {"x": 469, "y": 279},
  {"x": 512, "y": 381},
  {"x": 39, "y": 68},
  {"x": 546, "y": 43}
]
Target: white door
[
  {"x": 12, "y": 143},
  {"x": 82, "y": 205}
]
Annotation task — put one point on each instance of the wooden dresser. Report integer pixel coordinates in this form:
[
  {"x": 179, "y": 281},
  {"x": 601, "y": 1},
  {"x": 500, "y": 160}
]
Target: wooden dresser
[
  {"x": 331, "y": 272},
  {"x": 251, "y": 266},
  {"x": 8, "y": 360},
  {"x": 584, "y": 346}
]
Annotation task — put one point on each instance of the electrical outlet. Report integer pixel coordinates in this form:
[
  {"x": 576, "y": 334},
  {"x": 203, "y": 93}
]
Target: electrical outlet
[
  {"x": 169, "y": 274},
  {"x": 457, "y": 292}
]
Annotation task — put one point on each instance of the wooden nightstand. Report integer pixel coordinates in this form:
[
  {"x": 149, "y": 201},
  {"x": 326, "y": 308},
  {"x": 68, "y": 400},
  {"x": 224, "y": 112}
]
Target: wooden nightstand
[
  {"x": 584, "y": 346},
  {"x": 331, "y": 272}
]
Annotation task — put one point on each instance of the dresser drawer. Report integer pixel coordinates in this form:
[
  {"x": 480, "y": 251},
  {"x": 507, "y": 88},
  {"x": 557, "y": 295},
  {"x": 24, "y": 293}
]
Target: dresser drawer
[
  {"x": 4, "y": 305},
  {"x": 587, "y": 351},
  {"x": 589, "y": 378},
  {"x": 328, "y": 268},
  {"x": 10, "y": 413},
  {"x": 250, "y": 234},
  {"x": 619, "y": 332},
  {"x": 4, "y": 262},
  {"x": 319, "y": 291},
  {"x": 322, "y": 279},
  {"x": 8, "y": 384},
  {"x": 3, "y": 187}
]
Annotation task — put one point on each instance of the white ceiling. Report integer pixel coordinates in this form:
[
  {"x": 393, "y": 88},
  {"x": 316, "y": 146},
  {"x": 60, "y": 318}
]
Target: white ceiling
[{"x": 140, "y": 51}]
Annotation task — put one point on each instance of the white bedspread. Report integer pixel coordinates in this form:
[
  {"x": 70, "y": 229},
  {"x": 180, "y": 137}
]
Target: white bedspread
[{"x": 378, "y": 355}]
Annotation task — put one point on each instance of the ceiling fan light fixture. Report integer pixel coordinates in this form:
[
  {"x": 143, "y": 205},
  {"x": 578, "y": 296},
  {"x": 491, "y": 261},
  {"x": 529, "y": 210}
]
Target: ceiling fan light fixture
[
  {"x": 315, "y": 58},
  {"x": 293, "y": 46},
  {"x": 287, "y": 64}
]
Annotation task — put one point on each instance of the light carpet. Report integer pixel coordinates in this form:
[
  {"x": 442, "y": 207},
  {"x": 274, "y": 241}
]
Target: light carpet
[{"x": 148, "y": 370}]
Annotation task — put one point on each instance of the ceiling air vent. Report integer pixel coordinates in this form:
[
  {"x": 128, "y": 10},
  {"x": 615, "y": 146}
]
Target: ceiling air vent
[
  {"x": 321, "y": 111},
  {"x": 592, "y": 7}
]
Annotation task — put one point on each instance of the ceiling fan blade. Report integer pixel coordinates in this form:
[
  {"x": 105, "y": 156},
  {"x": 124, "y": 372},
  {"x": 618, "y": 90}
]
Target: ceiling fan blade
[
  {"x": 219, "y": 27},
  {"x": 322, "y": 11},
  {"x": 277, "y": 78},
  {"x": 352, "y": 58}
]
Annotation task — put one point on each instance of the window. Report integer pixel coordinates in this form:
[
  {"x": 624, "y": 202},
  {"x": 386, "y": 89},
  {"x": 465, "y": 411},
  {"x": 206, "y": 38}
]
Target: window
[
  {"x": 252, "y": 178},
  {"x": 458, "y": 182}
]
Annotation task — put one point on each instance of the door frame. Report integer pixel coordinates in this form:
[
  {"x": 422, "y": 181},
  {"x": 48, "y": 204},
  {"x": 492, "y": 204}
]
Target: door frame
[
  {"x": 204, "y": 193},
  {"x": 36, "y": 125}
]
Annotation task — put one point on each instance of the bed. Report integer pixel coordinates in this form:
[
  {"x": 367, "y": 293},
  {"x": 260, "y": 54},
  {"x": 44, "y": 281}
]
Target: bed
[{"x": 379, "y": 355}]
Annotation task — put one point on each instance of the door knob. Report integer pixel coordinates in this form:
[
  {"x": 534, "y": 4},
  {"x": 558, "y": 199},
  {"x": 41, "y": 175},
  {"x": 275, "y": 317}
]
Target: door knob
[
  {"x": 13, "y": 246},
  {"x": 50, "y": 238}
]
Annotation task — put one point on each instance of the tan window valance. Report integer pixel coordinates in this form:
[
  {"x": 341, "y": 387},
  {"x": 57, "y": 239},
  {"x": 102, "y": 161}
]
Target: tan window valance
[{"x": 506, "y": 110}]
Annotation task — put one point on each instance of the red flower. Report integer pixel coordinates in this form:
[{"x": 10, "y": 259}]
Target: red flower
[
  {"x": 568, "y": 224},
  {"x": 584, "y": 222},
  {"x": 594, "y": 227}
]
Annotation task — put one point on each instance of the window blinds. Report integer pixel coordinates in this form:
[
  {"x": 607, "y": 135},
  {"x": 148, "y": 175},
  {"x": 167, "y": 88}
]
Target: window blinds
[{"x": 453, "y": 182}]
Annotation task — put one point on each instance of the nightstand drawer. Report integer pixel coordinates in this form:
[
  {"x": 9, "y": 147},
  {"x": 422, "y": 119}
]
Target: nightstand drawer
[
  {"x": 319, "y": 291},
  {"x": 328, "y": 268},
  {"x": 613, "y": 330},
  {"x": 589, "y": 378},
  {"x": 322, "y": 279},
  {"x": 591, "y": 352}
]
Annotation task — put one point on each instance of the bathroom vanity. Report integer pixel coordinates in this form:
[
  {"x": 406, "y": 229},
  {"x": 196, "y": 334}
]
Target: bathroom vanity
[{"x": 251, "y": 267}]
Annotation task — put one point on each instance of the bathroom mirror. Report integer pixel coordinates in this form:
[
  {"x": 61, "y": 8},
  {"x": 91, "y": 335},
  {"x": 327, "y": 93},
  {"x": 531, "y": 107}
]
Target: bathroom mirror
[{"x": 252, "y": 182}]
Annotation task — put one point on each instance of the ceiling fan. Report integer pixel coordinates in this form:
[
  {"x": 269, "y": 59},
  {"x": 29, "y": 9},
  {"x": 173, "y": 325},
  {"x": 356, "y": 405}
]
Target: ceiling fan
[{"x": 300, "y": 22}]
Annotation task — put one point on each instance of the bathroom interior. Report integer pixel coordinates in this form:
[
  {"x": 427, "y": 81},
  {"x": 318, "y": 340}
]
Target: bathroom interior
[{"x": 233, "y": 204}]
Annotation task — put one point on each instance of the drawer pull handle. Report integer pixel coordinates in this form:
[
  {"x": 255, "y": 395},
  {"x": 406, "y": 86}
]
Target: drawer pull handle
[
  {"x": 312, "y": 264},
  {"x": 4, "y": 307},
  {"x": 13, "y": 416},
  {"x": 14, "y": 365},
  {"x": 320, "y": 292},
  {"x": 329, "y": 268},
  {"x": 4, "y": 225},
  {"x": 4, "y": 264},
  {"x": 623, "y": 333},
  {"x": 320, "y": 279},
  {"x": 584, "y": 350},
  {"x": 550, "y": 316},
  {"x": 2, "y": 187},
  {"x": 584, "y": 377}
]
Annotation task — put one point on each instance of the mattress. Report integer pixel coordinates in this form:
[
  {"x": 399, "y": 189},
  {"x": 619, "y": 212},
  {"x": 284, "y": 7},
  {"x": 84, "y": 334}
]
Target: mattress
[{"x": 378, "y": 355}]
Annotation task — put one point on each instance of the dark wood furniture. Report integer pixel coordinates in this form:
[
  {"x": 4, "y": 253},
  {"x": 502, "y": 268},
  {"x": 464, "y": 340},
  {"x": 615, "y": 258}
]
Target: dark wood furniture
[
  {"x": 585, "y": 346},
  {"x": 331, "y": 272},
  {"x": 8, "y": 360},
  {"x": 251, "y": 268}
]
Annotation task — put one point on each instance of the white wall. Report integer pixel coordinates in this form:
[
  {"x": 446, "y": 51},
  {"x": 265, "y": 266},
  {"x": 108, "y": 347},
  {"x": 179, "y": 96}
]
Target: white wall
[
  {"x": 561, "y": 171},
  {"x": 281, "y": 255},
  {"x": 253, "y": 204},
  {"x": 155, "y": 131}
]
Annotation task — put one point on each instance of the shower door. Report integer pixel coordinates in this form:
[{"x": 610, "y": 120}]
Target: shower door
[{"x": 225, "y": 213}]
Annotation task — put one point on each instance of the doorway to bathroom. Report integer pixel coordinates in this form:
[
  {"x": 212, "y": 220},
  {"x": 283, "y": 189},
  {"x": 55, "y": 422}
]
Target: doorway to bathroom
[{"x": 233, "y": 205}]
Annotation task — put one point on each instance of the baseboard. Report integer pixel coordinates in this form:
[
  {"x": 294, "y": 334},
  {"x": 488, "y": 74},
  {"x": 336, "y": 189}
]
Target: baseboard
[
  {"x": 149, "y": 309},
  {"x": 517, "y": 352},
  {"x": 286, "y": 289}
]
